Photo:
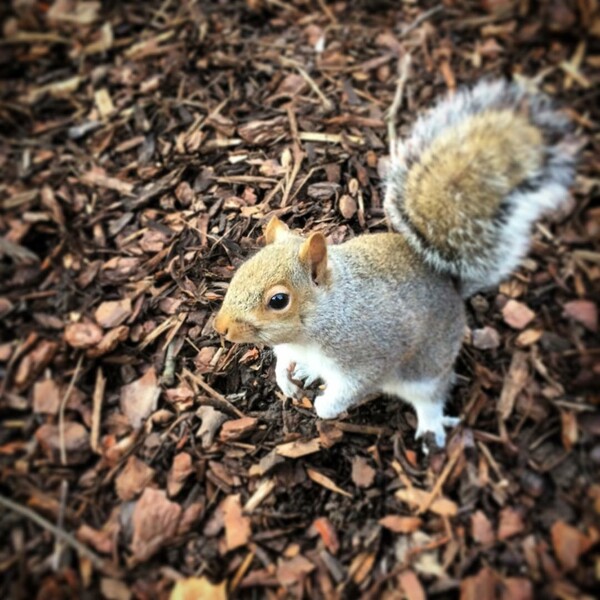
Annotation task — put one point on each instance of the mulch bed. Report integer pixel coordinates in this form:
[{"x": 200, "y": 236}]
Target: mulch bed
[{"x": 143, "y": 145}]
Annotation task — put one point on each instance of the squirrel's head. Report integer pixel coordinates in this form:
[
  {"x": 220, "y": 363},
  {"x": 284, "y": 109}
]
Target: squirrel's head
[{"x": 272, "y": 292}]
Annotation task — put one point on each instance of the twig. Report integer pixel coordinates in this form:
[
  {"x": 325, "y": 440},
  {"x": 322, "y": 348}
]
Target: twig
[
  {"x": 392, "y": 114},
  {"x": 421, "y": 19},
  {"x": 97, "y": 409},
  {"x": 328, "y": 12},
  {"x": 96, "y": 560},
  {"x": 211, "y": 391},
  {"x": 61, "y": 413},
  {"x": 59, "y": 544},
  {"x": 441, "y": 480}
]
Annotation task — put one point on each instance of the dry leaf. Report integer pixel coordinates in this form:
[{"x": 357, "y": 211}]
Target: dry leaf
[
  {"x": 113, "y": 313},
  {"x": 411, "y": 586},
  {"x": 237, "y": 526},
  {"x": 212, "y": 419},
  {"x": 155, "y": 520},
  {"x": 34, "y": 362},
  {"x": 486, "y": 339},
  {"x": 584, "y": 312},
  {"x": 479, "y": 587},
  {"x": 109, "y": 341},
  {"x": 134, "y": 477},
  {"x": 401, "y": 524},
  {"x": 327, "y": 483},
  {"x": 511, "y": 523},
  {"x": 361, "y": 566},
  {"x": 83, "y": 335},
  {"x": 363, "y": 474},
  {"x": 233, "y": 430},
  {"x": 198, "y": 588},
  {"x": 481, "y": 529},
  {"x": 348, "y": 206},
  {"x": 516, "y": 588},
  {"x": 114, "y": 589},
  {"x": 293, "y": 570},
  {"x": 181, "y": 469},
  {"x": 76, "y": 441},
  {"x": 46, "y": 397},
  {"x": 298, "y": 448},
  {"x": 569, "y": 544},
  {"x": 517, "y": 315},
  {"x": 516, "y": 378},
  {"x": 328, "y": 534},
  {"x": 416, "y": 497},
  {"x": 139, "y": 398}
]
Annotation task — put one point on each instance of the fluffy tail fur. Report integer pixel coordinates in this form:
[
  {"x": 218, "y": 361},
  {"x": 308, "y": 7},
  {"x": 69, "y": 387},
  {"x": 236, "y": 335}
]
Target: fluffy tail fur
[{"x": 476, "y": 172}]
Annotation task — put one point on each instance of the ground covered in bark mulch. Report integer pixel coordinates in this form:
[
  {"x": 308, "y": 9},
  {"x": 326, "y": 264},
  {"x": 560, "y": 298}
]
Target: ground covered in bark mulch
[{"x": 142, "y": 147}]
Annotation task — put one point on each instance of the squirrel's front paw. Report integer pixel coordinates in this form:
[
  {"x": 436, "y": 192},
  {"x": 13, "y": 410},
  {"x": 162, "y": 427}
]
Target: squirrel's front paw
[
  {"x": 326, "y": 409},
  {"x": 289, "y": 388},
  {"x": 437, "y": 428},
  {"x": 303, "y": 374}
]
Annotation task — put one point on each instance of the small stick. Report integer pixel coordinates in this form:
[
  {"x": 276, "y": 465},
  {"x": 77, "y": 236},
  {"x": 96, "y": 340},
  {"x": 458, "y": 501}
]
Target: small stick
[
  {"x": 96, "y": 560},
  {"x": 440, "y": 481},
  {"x": 59, "y": 544},
  {"x": 97, "y": 409},
  {"x": 61, "y": 413},
  {"x": 421, "y": 19},
  {"x": 403, "y": 72},
  {"x": 211, "y": 391}
]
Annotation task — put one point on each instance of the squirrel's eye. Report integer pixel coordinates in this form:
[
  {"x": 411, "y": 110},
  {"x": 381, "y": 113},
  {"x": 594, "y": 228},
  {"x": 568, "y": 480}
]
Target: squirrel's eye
[{"x": 279, "y": 301}]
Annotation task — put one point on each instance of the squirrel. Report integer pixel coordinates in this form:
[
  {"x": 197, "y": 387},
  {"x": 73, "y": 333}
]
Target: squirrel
[{"x": 384, "y": 312}]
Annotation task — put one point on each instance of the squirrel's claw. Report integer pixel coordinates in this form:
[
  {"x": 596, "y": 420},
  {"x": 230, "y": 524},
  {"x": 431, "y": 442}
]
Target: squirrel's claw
[{"x": 302, "y": 374}]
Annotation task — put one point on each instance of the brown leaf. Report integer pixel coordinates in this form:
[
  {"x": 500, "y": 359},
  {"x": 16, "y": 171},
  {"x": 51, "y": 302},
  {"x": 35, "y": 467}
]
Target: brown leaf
[
  {"x": 237, "y": 526},
  {"x": 584, "y": 312},
  {"x": 415, "y": 497},
  {"x": 76, "y": 441},
  {"x": 155, "y": 520},
  {"x": 139, "y": 398},
  {"x": 326, "y": 482},
  {"x": 83, "y": 335},
  {"x": 46, "y": 397},
  {"x": 191, "y": 515},
  {"x": 34, "y": 362},
  {"x": 511, "y": 523},
  {"x": 569, "y": 429},
  {"x": 198, "y": 588},
  {"x": 328, "y": 534},
  {"x": 363, "y": 474},
  {"x": 569, "y": 544},
  {"x": 516, "y": 588},
  {"x": 103, "y": 540},
  {"x": 235, "y": 429},
  {"x": 348, "y": 206},
  {"x": 298, "y": 448},
  {"x": 291, "y": 571},
  {"x": 517, "y": 315},
  {"x": 411, "y": 586},
  {"x": 259, "y": 133},
  {"x": 479, "y": 587},
  {"x": 486, "y": 339},
  {"x": 329, "y": 434},
  {"x": 181, "y": 469},
  {"x": 132, "y": 480},
  {"x": 516, "y": 378},
  {"x": 109, "y": 341},
  {"x": 401, "y": 524},
  {"x": 114, "y": 589},
  {"x": 212, "y": 419},
  {"x": 481, "y": 529},
  {"x": 113, "y": 313}
]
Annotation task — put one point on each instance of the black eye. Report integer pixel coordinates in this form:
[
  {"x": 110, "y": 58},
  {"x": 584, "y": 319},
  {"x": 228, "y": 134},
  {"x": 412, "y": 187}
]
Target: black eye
[{"x": 279, "y": 301}]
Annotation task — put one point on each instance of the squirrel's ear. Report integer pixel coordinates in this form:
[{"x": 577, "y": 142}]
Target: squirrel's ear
[
  {"x": 275, "y": 230},
  {"x": 313, "y": 252}
]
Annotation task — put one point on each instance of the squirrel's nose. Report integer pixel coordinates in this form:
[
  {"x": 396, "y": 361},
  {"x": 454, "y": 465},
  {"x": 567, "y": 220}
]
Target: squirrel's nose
[{"x": 221, "y": 324}]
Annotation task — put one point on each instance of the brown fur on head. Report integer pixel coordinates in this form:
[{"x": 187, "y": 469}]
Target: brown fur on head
[{"x": 271, "y": 293}]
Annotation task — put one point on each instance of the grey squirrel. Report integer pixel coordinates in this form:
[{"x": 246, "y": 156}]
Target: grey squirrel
[{"x": 384, "y": 312}]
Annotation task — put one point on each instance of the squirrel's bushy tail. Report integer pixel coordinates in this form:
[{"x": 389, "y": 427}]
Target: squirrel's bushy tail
[{"x": 475, "y": 173}]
